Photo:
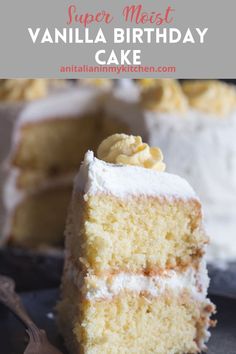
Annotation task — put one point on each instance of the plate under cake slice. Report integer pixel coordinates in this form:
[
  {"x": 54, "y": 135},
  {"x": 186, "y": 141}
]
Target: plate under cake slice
[{"x": 135, "y": 279}]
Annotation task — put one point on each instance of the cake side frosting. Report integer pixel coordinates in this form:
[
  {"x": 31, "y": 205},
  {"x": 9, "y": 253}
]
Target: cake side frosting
[
  {"x": 96, "y": 176},
  {"x": 130, "y": 150}
]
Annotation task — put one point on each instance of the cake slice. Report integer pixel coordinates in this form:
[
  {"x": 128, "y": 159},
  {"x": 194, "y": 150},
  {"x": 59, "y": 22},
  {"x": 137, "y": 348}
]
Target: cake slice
[{"x": 135, "y": 279}]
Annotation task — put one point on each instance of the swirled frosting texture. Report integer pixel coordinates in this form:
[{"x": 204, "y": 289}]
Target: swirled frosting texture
[
  {"x": 22, "y": 89},
  {"x": 211, "y": 96},
  {"x": 130, "y": 150},
  {"x": 163, "y": 95}
]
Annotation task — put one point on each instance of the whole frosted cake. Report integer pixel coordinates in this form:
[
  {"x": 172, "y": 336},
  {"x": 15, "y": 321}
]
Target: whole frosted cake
[
  {"x": 195, "y": 126},
  {"x": 135, "y": 279}
]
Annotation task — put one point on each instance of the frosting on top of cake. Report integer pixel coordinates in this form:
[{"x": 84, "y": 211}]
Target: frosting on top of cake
[
  {"x": 97, "y": 287},
  {"x": 211, "y": 96},
  {"x": 96, "y": 176},
  {"x": 164, "y": 95},
  {"x": 130, "y": 150}
]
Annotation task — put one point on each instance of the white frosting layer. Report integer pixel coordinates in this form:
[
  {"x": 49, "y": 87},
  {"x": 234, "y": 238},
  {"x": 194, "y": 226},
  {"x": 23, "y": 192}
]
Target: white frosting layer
[
  {"x": 196, "y": 282},
  {"x": 96, "y": 176},
  {"x": 68, "y": 103},
  {"x": 202, "y": 149}
]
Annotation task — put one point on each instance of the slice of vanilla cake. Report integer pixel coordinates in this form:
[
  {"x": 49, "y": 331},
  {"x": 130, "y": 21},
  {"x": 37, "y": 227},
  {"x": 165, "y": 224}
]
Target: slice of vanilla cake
[{"x": 135, "y": 279}]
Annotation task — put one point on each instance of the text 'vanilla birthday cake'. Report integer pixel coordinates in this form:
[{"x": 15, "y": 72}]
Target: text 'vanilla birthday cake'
[{"x": 135, "y": 279}]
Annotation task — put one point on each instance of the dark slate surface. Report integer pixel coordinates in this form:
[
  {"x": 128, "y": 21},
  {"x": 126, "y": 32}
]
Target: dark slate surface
[
  {"x": 223, "y": 280},
  {"x": 40, "y": 305}
]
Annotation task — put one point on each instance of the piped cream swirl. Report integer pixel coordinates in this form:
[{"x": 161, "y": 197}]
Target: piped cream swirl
[{"x": 130, "y": 150}]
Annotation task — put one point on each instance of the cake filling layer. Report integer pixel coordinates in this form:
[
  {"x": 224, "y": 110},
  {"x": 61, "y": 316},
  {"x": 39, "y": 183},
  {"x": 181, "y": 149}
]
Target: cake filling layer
[{"x": 105, "y": 287}]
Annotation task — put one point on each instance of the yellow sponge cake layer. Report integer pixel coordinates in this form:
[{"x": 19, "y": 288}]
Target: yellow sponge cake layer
[{"x": 137, "y": 234}]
